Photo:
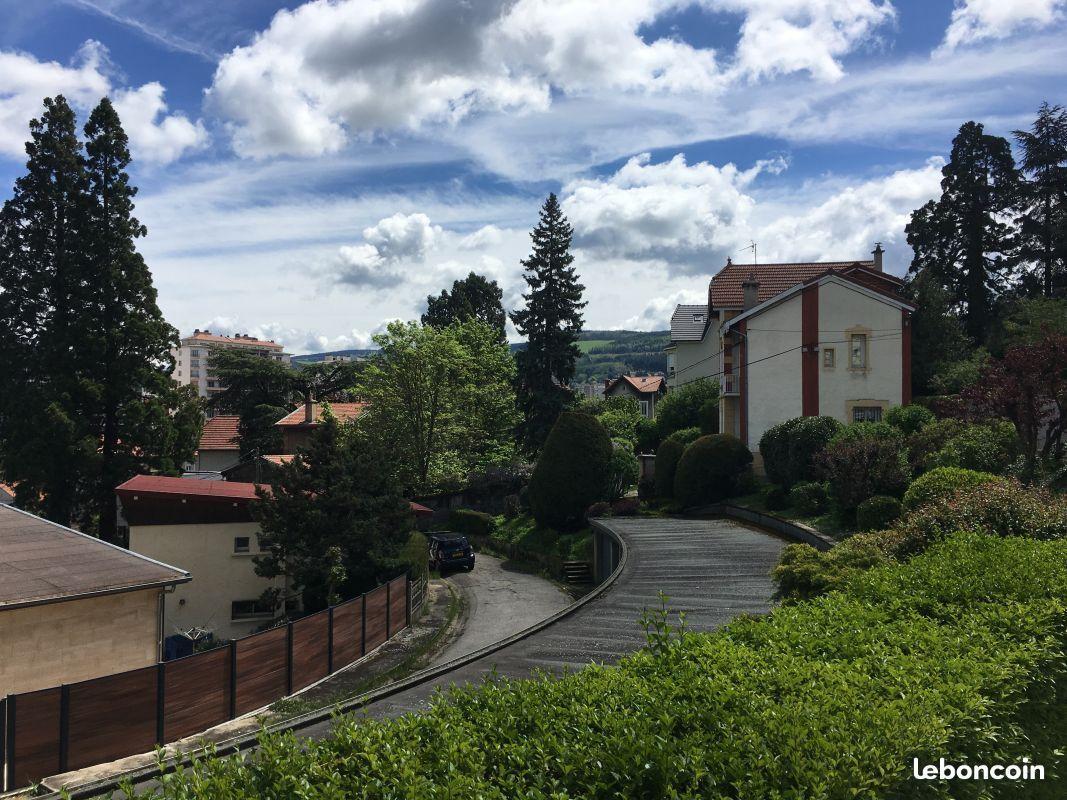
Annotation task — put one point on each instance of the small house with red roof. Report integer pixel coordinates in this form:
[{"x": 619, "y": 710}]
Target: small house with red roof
[
  {"x": 645, "y": 389},
  {"x": 298, "y": 425},
  {"x": 797, "y": 339},
  {"x": 219, "y": 446}
]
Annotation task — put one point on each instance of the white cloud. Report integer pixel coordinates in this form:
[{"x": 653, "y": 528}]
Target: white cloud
[
  {"x": 657, "y": 312},
  {"x": 486, "y": 236},
  {"x": 974, "y": 20},
  {"x": 155, "y": 136},
  {"x": 295, "y": 340},
  {"x": 401, "y": 238}
]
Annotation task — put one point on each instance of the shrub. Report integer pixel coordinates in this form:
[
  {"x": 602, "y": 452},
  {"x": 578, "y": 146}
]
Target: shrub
[
  {"x": 416, "y": 555},
  {"x": 803, "y": 573},
  {"x": 512, "y": 506},
  {"x": 601, "y": 508},
  {"x": 681, "y": 407},
  {"x": 986, "y": 448},
  {"x": 572, "y": 472},
  {"x": 775, "y": 497},
  {"x": 625, "y": 507},
  {"x": 876, "y": 513},
  {"x": 858, "y": 431},
  {"x": 524, "y": 498},
  {"x": 909, "y": 419},
  {"x": 709, "y": 469},
  {"x": 667, "y": 457},
  {"x": 941, "y": 483},
  {"x": 790, "y": 449},
  {"x": 863, "y": 467},
  {"x": 709, "y": 417},
  {"x": 624, "y": 469},
  {"x": 470, "y": 523},
  {"x": 927, "y": 441},
  {"x": 809, "y": 498},
  {"x": 646, "y": 488},
  {"x": 647, "y": 434}
]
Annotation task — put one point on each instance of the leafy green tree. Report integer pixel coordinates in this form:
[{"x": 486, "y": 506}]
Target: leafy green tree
[
  {"x": 551, "y": 323},
  {"x": 1044, "y": 192},
  {"x": 334, "y": 520},
  {"x": 474, "y": 297},
  {"x": 684, "y": 407},
  {"x": 937, "y": 336},
  {"x": 966, "y": 240},
  {"x": 444, "y": 398}
]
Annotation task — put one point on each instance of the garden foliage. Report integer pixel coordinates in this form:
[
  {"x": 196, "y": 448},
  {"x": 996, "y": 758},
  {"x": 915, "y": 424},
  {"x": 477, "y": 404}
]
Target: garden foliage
[
  {"x": 709, "y": 470},
  {"x": 572, "y": 471}
]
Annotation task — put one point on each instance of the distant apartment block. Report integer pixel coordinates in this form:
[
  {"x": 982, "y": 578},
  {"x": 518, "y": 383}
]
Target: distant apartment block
[{"x": 191, "y": 359}]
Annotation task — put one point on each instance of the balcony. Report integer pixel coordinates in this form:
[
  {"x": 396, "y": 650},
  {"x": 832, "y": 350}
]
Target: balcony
[{"x": 729, "y": 384}]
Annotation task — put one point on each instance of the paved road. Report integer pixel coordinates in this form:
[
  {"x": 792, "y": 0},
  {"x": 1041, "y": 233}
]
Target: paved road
[
  {"x": 713, "y": 570},
  {"x": 500, "y": 602}
]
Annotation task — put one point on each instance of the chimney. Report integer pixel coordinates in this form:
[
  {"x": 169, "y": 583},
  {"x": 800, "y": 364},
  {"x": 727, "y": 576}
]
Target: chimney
[
  {"x": 878, "y": 256},
  {"x": 309, "y": 410},
  {"x": 750, "y": 292}
]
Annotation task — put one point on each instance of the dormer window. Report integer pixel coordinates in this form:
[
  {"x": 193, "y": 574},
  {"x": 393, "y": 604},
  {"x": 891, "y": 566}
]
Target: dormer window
[{"x": 698, "y": 318}]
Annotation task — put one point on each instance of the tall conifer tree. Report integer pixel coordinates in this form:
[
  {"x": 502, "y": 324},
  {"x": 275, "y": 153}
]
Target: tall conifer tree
[
  {"x": 1044, "y": 219},
  {"x": 551, "y": 323}
]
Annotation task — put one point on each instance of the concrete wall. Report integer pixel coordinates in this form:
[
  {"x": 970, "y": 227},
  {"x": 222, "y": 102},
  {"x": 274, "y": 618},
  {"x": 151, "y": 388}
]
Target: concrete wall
[
  {"x": 219, "y": 575},
  {"x": 773, "y": 382},
  {"x": 216, "y": 460},
  {"x": 841, "y": 310},
  {"x": 48, "y": 645}
]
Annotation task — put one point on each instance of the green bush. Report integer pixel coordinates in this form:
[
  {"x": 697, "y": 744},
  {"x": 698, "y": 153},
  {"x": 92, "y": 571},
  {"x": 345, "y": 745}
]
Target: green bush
[
  {"x": 775, "y": 498},
  {"x": 878, "y": 512},
  {"x": 667, "y": 457},
  {"x": 624, "y": 469},
  {"x": 941, "y": 483},
  {"x": 803, "y": 573},
  {"x": 709, "y": 470},
  {"x": 709, "y": 417},
  {"x": 859, "y": 468},
  {"x": 648, "y": 437},
  {"x": 956, "y": 655},
  {"x": 860, "y": 431},
  {"x": 924, "y": 443},
  {"x": 572, "y": 471},
  {"x": 909, "y": 419},
  {"x": 810, "y": 498},
  {"x": 601, "y": 508},
  {"x": 416, "y": 555},
  {"x": 985, "y": 448},
  {"x": 512, "y": 506},
  {"x": 681, "y": 407},
  {"x": 646, "y": 489},
  {"x": 470, "y": 523},
  {"x": 790, "y": 449}
]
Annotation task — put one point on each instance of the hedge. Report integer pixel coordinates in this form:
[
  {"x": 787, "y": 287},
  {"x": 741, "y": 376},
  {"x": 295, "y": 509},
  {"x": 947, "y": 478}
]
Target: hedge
[
  {"x": 941, "y": 483},
  {"x": 876, "y": 513},
  {"x": 857, "y": 468},
  {"x": 789, "y": 449},
  {"x": 909, "y": 419},
  {"x": 470, "y": 523},
  {"x": 572, "y": 472},
  {"x": 986, "y": 448},
  {"x": 810, "y": 498},
  {"x": 956, "y": 655},
  {"x": 667, "y": 457},
  {"x": 709, "y": 470}
]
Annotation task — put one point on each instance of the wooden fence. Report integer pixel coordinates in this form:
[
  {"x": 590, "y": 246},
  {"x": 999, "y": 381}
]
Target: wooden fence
[{"x": 68, "y": 727}]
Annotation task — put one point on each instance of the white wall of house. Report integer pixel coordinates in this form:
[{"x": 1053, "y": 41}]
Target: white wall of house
[
  {"x": 844, "y": 309},
  {"x": 220, "y": 576},
  {"x": 695, "y": 360},
  {"x": 216, "y": 460},
  {"x": 774, "y": 381}
]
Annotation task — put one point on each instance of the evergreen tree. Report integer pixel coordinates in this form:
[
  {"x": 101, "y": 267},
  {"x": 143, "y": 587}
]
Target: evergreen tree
[
  {"x": 1044, "y": 219},
  {"x": 966, "y": 239},
  {"x": 475, "y": 297},
  {"x": 551, "y": 323},
  {"x": 937, "y": 337}
]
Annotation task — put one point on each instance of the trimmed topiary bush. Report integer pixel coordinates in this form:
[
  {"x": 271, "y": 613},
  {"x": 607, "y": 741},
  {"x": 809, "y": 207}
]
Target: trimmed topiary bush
[
  {"x": 709, "y": 470},
  {"x": 470, "y": 523},
  {"x": 985, "y": 448},
  {"x": 909, "y": 419},
  {"x": 810, "y": 498},
  {"x": 878, "y": 512},
  {"x": 572, "y": 472},
  {"x": 667, "y": 457},
  {"x": 790, "y": 449},
  {"x": 709, "y": 417},
  {"x": 863, "y": 467},
  {"x": 941, "y": 483},
  {"x": 774, "y": 449},
  {"x": 775, "y": 498}
]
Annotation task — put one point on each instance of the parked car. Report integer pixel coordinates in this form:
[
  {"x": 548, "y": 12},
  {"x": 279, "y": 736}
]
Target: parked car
[{"x": 450, "y": 550}]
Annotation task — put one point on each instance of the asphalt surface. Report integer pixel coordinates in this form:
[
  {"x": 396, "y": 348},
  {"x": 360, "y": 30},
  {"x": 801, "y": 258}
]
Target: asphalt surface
[
  {"x": 499, "y": 602},
  {"x": 713, "y": 570}
]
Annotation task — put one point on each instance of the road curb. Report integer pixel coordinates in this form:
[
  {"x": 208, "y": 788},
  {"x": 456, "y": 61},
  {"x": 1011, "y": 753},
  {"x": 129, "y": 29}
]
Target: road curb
[{"x": 244, "y": 741}]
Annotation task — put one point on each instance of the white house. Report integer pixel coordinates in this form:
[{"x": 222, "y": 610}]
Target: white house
[{"x": 790, "y": 340}]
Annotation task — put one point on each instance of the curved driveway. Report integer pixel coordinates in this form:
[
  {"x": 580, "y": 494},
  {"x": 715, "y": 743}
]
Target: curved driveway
[{"x": 713, "y": 570}]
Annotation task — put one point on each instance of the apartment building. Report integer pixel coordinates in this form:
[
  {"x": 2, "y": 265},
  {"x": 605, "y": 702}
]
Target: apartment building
[{"x": 191, "y": 358}]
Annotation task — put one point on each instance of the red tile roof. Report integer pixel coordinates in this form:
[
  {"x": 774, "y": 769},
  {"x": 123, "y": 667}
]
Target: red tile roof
[
  {"x": 646, "y": 384},
  {"x": 207, "y": 337},
  {"x": 220, "y": 433},
  {"x": 726, "y": 291},
  {"x": 280, "y": 458},
  {"x": 343, "y": 412}
]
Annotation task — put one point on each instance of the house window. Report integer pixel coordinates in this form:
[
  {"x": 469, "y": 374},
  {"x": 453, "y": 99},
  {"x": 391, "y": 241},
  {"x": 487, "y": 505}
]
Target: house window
[
  {"x": 250, "y": 609},
  {"x": 240, "y": 544},
  {"x": 644, "y": 407},
  {"x": 858, "y": 351},
  {"x": 829, "y": 358},
  {"x": 866, "y": 413}
]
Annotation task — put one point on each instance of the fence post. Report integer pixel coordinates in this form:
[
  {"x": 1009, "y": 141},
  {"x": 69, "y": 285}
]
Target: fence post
[
  {"x": 9, "y": 780},
  {"x": 161, "y": 701},
  {"x": 329, "y": 644},
  {"x": 407, "y": 598},
  {"x": 64, "y": 727},
  {"x": 388, "y": 603},
  {"x": 233, "y": 679},
  {"x": 363, "y": 626},
  {"x": 289, "y": 659}
]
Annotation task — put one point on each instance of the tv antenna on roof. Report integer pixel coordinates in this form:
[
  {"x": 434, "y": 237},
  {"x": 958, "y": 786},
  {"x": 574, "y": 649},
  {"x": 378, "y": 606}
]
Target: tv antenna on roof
[{"x": 752, "y": 247}]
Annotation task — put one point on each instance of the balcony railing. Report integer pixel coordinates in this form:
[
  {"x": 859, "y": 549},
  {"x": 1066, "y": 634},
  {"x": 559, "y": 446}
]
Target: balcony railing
[{"x": 730, "y": 384}]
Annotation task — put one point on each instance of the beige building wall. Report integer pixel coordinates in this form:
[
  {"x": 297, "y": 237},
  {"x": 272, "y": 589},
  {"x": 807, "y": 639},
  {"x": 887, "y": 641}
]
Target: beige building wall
[
  {"x": 219, "y": 575},
  {"x": 695, "y": 360},
  {"x": 774, "y": 381},
  {"x": 74, "y": 640},
  {"x": 843, "y": 310}
]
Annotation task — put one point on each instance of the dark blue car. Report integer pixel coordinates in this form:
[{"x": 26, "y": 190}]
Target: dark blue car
[{"x": 450, "y": 551}]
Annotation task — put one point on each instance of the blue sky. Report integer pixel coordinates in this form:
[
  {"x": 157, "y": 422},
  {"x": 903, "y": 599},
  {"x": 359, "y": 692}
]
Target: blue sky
[{"x": 310, "y": 171}]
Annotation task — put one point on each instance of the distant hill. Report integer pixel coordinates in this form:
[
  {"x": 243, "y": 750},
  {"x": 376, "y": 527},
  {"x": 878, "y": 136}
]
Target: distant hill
[{"x": 605, "y": 354}]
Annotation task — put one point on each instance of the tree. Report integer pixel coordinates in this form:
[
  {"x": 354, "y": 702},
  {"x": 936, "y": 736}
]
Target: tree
[
  {"x": 443, "y": 398},
  {"x": 551, "y": 322},
  {"x": 966, "y": 239},
  {"x": 937, "y": 336},
  {"x": 686, "y": 406},
  {"x": 340, "y": 495},
  {"x": 573, "y": 472},
  {"x": 474, "y": 297},
  {"x": 1043, "y": 223}
]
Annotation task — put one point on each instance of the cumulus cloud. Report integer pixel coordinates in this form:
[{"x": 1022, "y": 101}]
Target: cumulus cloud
[
  {"x": 326, "y": 71},
  {"x": 295, "y": 340},
  {"x": 673, "y": 212},
  {"x": 659, "y": 309},
  {"x": 155, "y": 135},
  {"x": 401, "y": 238},
  {"x": 975, "y": 20}
]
